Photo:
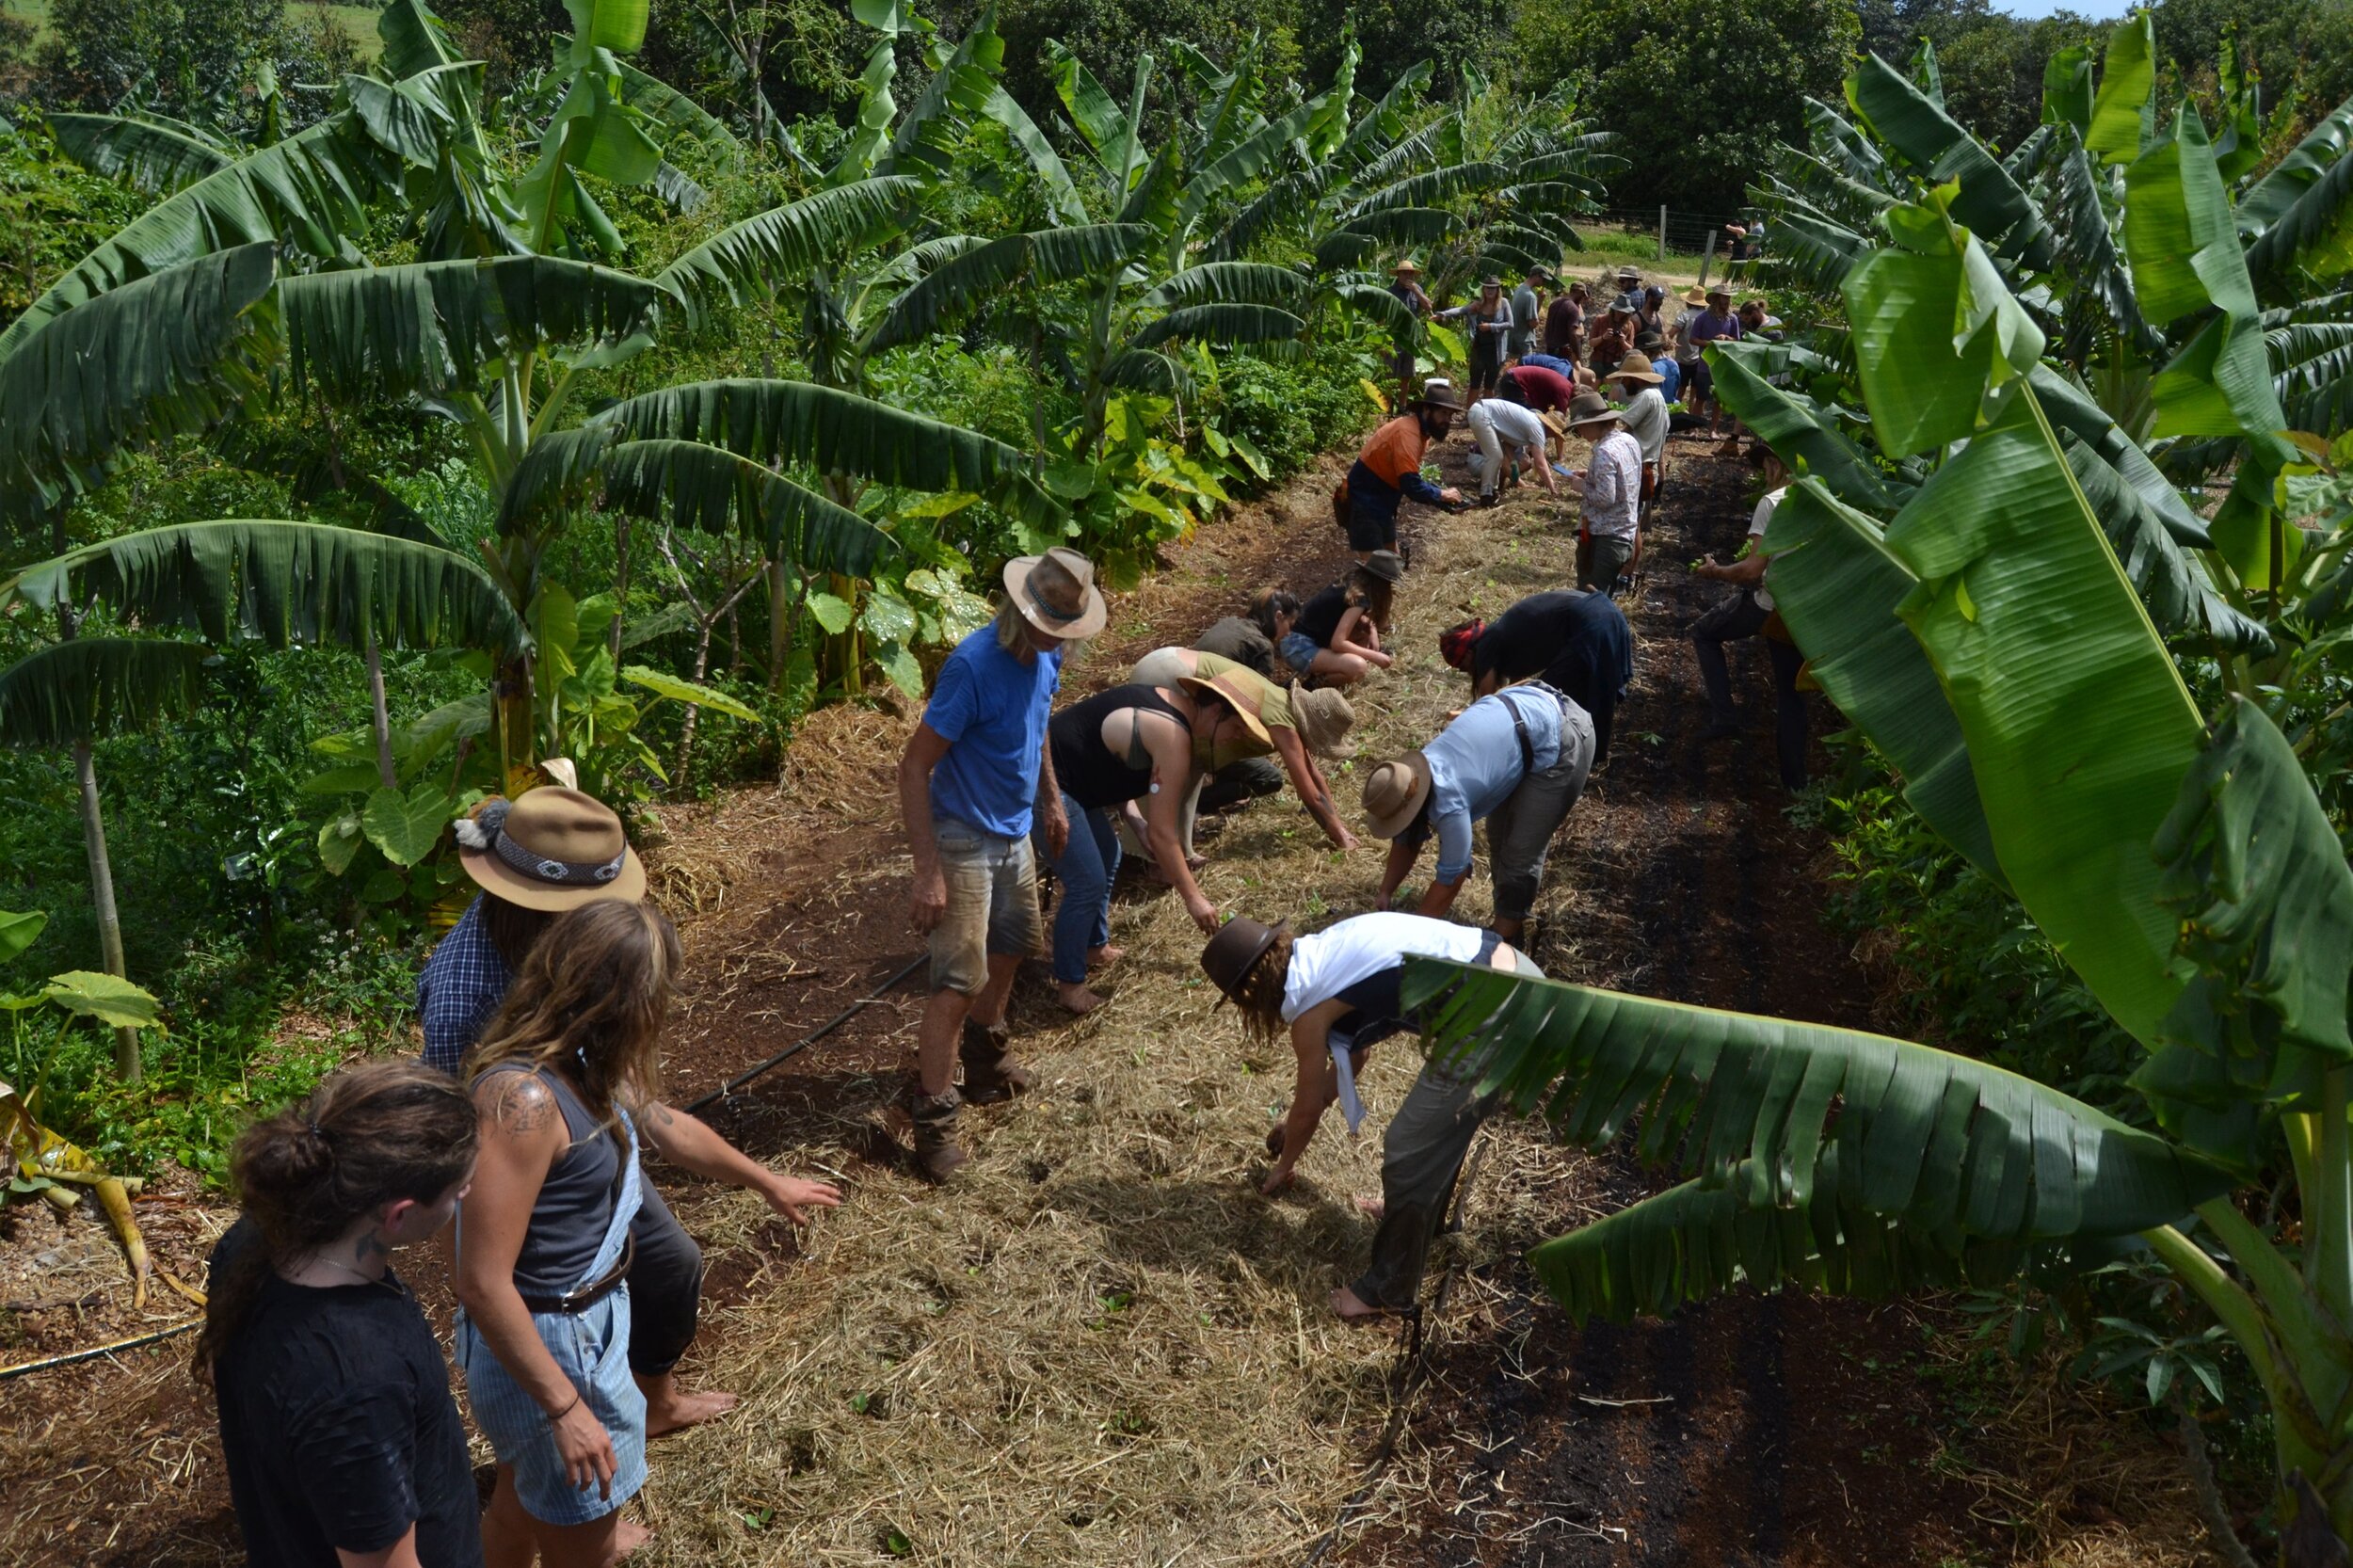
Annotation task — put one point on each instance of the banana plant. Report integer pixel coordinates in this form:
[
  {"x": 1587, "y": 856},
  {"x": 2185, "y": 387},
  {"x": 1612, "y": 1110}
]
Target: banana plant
[{"x": 2182, "y": 862}]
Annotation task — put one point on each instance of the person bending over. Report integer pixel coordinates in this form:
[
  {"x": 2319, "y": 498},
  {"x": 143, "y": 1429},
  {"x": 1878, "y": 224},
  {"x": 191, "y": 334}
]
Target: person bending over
[
  {"x": 1516, "y": 760},
  {"x": 1387, "y": 470},
  {"x": 1751, "y": 613},
  {"x": 344, "y": 1447},
  {"x": 1336, "y": 993},
  {"x": 1303, "y": 725},
  {"x": 1335, "y": 637},
  {"x": 550, "y": 850},
  {"x": 1574, "y": 641}
]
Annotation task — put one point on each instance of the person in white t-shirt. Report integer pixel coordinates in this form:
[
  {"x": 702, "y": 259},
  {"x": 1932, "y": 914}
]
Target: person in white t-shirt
[
  {"x": 1337, "y": 993},
  {"x": 1509, "y": 436},
  {"x": 1751, "y": 613}
]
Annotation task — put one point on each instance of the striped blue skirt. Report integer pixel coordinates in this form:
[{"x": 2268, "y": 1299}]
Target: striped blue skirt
[{"x": 592, "y": 1347}]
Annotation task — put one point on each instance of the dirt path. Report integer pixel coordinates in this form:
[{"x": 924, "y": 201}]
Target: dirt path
[{"x": 1101, "y": 1346}]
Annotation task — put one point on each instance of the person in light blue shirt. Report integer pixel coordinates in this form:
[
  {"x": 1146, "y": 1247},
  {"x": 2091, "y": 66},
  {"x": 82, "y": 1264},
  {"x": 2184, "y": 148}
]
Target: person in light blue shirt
[{"x": 1516, "y": 760}]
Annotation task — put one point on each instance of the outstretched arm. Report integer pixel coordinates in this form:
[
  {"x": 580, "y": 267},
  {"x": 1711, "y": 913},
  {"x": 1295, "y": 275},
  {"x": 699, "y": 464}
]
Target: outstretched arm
[
  {"x": 1313, "y": 793},
  {"x": 688, "y": 1143}
]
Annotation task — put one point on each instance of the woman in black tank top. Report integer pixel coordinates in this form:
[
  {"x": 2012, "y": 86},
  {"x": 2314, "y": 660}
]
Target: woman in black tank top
[{"x": 1125, "y": 744}]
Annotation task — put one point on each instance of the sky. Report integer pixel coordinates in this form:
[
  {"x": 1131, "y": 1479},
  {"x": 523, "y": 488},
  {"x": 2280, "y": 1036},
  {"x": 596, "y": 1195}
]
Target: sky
[{"x": 2099, "y": 10}]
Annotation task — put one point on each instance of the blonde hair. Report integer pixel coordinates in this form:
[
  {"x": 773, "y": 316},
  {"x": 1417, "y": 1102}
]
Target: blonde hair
[
  {"x": 1012, "y": 633},
  {"x": 590, "y": 1002}
]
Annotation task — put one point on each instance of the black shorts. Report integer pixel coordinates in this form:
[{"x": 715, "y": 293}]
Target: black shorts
[
  {"x": 1369, "y": 528},
  {"x": 1698, "y": 380}
]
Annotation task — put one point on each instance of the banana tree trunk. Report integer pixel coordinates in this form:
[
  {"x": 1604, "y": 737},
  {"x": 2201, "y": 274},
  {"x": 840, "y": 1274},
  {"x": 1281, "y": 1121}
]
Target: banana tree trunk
[
  {"x": 102, "y": 894},
  {"x": 779, "y": 583},
  {"x": 380, "y": 719}
]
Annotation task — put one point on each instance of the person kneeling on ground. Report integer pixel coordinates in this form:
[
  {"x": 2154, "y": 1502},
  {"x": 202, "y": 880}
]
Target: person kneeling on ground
[
  {"x": 344, "y": 1447},
  {"x": 1303, "y": 724},
  {"x": 1574, "y": 641},
  {"x": 1519, "y": 760},
  {"x": 1337, "y": 993},
  {"x": 550, "y": 850},
  {"x": 976, "y": 779},
  {"x": 1751, "y": 613},
  {"x": 1335, "y": 637},
  {"x": 1116, "y": 747},
  {"x": 1509, "y": 435},
  {"x": 566, "y": 1076},
  {"x": 1610, "y": 543},
  {"x": 1388, "y": 469}
]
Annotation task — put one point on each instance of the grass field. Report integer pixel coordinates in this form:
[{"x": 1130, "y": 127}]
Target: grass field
[{"x": 357, "y": 21}]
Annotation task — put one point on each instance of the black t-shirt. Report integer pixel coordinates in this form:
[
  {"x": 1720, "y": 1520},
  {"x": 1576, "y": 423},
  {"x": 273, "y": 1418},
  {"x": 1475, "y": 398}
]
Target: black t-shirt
[
  {"x": 1240, "y": 641},
  {"x": 1321, "y": 615},
  {"x": 338, "y": 1426}
]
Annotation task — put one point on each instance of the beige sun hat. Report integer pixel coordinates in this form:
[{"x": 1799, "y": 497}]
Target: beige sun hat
[
  {"x": 550, "y": 849},
  {"x": 1056, "y": 593},
  {"x": 1238, "y": 696},
  {"x": 1323, "y": 719},
  {"x": 1394, "y": 792},
  {"x": 1636, "y": 367},
  {"x": 1694, "y": 295}
]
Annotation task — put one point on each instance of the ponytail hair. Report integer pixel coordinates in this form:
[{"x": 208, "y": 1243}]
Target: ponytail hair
[{"x": 367, "y": 1137}]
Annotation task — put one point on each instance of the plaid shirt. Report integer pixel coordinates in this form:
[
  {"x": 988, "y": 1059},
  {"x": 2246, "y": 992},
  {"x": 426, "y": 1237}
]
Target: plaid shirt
[{"x": 461, "y": 986}]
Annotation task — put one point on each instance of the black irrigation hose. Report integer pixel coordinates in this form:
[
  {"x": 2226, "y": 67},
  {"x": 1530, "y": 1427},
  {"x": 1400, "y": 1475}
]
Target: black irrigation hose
[
  {"x": 1411, "y": 1362},
  {"x": 50, "y": 1362},
  {"x": 731, "y": 1085}
]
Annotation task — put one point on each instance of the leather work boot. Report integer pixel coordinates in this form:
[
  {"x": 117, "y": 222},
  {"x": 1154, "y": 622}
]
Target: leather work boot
[
  {"x": 990, "y": 1074},
  {"x": 935, "y": 1117}
]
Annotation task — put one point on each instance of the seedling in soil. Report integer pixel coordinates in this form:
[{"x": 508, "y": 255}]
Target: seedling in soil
[{"x": 895, "y": 1541}]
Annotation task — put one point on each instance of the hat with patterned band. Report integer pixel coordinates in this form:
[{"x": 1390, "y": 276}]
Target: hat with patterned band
[{"x": 550, "y": 848}]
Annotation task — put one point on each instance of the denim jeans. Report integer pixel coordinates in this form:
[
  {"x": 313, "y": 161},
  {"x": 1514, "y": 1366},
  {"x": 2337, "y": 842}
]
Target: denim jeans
[{"x": 1086, "y": 867}]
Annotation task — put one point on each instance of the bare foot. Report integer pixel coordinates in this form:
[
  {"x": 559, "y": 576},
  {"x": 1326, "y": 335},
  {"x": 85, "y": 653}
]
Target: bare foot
[
  {"x": 628, "y": 1535},
  {"x": 1374, "y": 1206},
  {"x": 1078, "y": 1000},
  {"x": 672, "y": 1409},
  {"x": 1103, "y": 958},
  {"x": 1349, "y": 1308}
]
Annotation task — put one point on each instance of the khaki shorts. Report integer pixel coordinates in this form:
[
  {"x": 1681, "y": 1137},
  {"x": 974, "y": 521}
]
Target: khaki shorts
[{"x": 992, "y": 905}]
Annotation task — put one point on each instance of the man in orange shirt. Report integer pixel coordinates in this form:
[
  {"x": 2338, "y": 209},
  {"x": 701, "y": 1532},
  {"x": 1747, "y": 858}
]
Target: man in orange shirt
[{"x": 1388, "y": 470}]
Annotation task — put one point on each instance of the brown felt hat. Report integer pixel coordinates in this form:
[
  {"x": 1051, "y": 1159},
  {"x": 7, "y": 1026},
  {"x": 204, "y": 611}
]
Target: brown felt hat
[
  {"x": 1438, "y": 393},
  {"x": 1235, "y": 951},
  {"x": 552, "y": 849},
  {"x": 1591, "y": 407},
  {"x": 1636, "y": 367},
  {"x": 1056, "y": 593},
  {"x": 1242, "y": 700},
  {"x": 1323, "y": 719},
  {"x": 1388, "y": 564},
  {"x": 1394, "y": 792}
]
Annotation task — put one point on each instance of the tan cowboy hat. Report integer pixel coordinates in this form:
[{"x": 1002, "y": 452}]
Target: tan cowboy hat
[
  {"x": 1235, "y": 951},
  {"x": 1694, "y": 295},
  {"x": 1591, "y": 407},
  {"x": 1394, "y": 792},
  {"x": 1323, "y": 719},
  {"x": 1717, "y": 290},
  {"x": 1635, "y": 367},
  {"x": 1438, "y": 393},
  {"x": 1056, "y": 593},
  {"x": 1408, "y": 265},
  {"x": 1237, "y": 695},
  {"x": 1553, "y": 423},
  {"x": 550, "y": 848}
]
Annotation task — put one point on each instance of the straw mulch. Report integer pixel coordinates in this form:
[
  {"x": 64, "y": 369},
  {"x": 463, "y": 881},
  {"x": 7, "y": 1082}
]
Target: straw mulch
[{"x": 1101, "y": 1345}]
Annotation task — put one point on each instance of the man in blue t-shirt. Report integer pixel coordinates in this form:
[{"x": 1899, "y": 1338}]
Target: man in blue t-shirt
[
  {"x": 1519, "y": 760},
  {"x": 971, "y": 775}
]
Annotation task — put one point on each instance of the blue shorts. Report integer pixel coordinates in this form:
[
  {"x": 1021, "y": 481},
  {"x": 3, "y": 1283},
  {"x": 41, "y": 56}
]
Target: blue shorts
[
  {"x": 592, "y": 1347},
  {"x": 1299, "y": 652}
]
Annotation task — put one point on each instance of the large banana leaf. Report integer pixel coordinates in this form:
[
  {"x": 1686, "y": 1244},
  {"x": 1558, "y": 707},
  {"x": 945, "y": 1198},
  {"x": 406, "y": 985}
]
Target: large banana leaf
[
  {"x": 307, "y": 192},
  {"x": 2120, "y": 113},
  {"x": 1993, "y": 204},
  {"x": 2087, "y": 251},
  {"x": 415, "y": 39},
  {"x": 1061, "y": 192},
  {"x": 2077, "y": 725},
  {"x": 1945, "y": 1144},
  {"x": 2312, "y": 363},
  {"x": 691, "y": 485},
  {"x": 1230, "y": 283},
  {"x": 1802, "y": 435},
  {"x": 91, "y": 687},
  {"x": 835, "y": 432},
  {"x": 435, "y": 327},
  {"x": 747, "y": 260},
  {"x": 1221, "y": 324},
  {"x": 1043, "y": 257},
  {"x": 282, "y": 583},
  {"x": 2298, "y": 213},
  {"x": 925, "y": 135},
  {"x": 153, "y": 156},
  {"x": 1838, "y": 586},
  {"x": 163, "y": 355}
]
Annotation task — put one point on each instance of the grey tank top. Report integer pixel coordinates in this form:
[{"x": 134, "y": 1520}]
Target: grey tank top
[{"x": 575, "y": 1206}]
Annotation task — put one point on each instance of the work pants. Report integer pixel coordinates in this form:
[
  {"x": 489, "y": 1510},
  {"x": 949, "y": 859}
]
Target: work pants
[
  {"x": 1743, "y": 616},
  {"x": 665, "y": 1287}
]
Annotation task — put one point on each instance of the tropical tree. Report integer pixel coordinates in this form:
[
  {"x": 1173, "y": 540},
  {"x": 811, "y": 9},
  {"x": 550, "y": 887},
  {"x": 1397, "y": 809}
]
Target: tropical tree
[{"x": 1983, "y": 570}]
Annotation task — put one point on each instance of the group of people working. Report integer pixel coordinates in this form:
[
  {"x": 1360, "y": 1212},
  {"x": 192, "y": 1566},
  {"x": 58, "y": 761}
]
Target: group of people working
[{"x": 543, "y": 1009}]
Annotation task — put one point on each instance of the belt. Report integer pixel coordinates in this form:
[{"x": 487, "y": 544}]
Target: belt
[{"x": 587, "y": 1295}]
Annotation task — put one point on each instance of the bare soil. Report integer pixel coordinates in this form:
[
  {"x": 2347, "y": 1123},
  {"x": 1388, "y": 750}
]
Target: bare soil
[{"x": 1102, "y": 1346}]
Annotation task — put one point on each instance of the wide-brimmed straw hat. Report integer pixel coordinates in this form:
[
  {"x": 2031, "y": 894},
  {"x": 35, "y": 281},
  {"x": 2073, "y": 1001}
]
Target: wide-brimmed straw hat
[
  {"x": 1438, "y": 393},
  {"x": 1694, "y": 295},
  {"x": 1408, "y": 265},
  {"x": 1636, "y": 367},
  {"x": 1388, "y": 564},
  {"x": 1394, "y": 792},
  {"x": 1591, "y": 407},
  {"x": 1243, "y": 701},
  {"x": 1056, "y": 593},
  {"x": 1493, "y": 280},
  {"x": 1717, "y": 290},
  {"x": 1323, "y": 719},
  {"x": 550, "y": 849},
  {"x": 1235, "y": 951}
]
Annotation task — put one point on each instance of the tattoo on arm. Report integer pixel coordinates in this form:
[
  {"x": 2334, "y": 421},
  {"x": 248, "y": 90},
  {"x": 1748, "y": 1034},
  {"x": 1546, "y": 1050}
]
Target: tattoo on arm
[
  {"x": 524, "y": 1105},
  {"x": 661, "y": 1115}
]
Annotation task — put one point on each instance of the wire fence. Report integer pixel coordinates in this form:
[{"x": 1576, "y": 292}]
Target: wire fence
[{"x": 1669, "y": 234}]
